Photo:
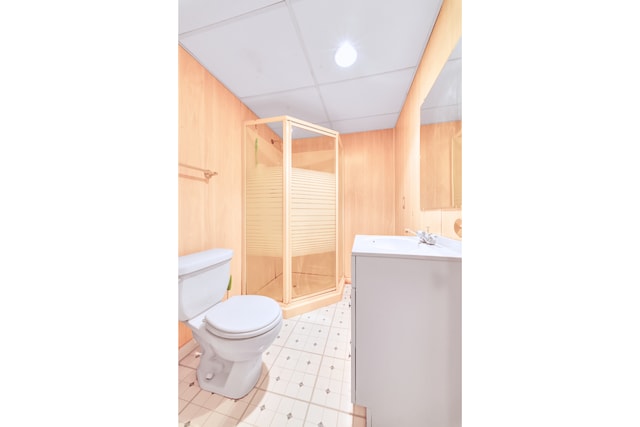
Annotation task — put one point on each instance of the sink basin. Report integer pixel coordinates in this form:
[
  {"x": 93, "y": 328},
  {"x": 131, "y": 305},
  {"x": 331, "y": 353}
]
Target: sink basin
[
  {"x": 410, "y": 246},
  {"x": 397, "y": 243}
]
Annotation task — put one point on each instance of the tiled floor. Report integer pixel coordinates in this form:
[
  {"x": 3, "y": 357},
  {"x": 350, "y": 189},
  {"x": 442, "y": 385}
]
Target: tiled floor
[{"x": 305, "y": 381}]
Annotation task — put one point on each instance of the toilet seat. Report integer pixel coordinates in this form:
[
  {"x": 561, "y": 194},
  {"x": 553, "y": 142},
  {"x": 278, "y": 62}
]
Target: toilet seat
[{"x": 243, "y": 316}]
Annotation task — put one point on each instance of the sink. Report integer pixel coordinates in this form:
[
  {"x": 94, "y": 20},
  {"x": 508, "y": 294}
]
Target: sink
[
  {"x": 389, "y": 245},
  {"x": 397, "y": 243}
]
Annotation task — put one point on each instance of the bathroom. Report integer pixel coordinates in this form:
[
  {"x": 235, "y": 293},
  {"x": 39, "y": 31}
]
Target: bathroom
[
  {"x": 90, "y": 198},
  {"x": 386, "y": 201}
]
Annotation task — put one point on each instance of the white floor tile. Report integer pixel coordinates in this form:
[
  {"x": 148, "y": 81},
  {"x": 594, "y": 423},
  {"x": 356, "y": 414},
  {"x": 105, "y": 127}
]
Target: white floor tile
[
  {"x": 189, "y": 388},
  {"x": 321, "y": 316},
  {"x": 301, "y": 361},
  {"x": 287, "y": 326},
  {"x": 208, "y": 400},
  {"x": 270, "y": 355},
  {"x": 232, "y": 408},
  {"x": 342, "y": 318},
  {"x": 300, "y": 386},
  {"x": 338, "y": 343},
  {"x": 182, "y": 404},
  {"x": 219, "y": 420},
  {"x": 259, "y": 415},
  {"x": 335, "y": 369},
  {"x": 310, "y": 337},
  {"x": 280, "y": 410},
  {"x": 277, "y": 380},
  {"x": 184, "y": 372},
  {"x": 192, "y": 359},
  {"x": 194, "y": 415},
  {"x": 318, "y": 416},
  {"x": 330, "y": 393}
]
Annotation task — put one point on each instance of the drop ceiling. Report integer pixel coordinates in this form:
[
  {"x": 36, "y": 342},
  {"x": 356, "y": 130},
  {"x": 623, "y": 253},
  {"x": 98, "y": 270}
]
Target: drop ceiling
[{"x": 277, "y": 56}]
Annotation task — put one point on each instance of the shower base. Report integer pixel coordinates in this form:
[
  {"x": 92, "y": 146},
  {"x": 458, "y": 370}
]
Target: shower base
[{"x": 309, "y": 292}]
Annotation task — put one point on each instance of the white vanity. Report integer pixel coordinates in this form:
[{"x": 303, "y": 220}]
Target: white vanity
[{"x": 406, "y": 330}]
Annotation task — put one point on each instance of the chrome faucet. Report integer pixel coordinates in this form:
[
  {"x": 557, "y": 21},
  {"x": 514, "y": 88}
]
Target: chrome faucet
[{"x": 424, "y": 237}]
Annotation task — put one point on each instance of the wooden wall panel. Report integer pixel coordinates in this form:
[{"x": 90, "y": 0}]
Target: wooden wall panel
[
  {"x": 210, "y": 137},
  {"x": 436, "y": 160},
  {"x": 368, "y": 185}
]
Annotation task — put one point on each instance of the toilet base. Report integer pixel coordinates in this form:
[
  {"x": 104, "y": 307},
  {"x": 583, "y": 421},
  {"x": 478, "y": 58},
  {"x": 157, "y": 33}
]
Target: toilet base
[
  {"x": 230, "y": 379},
  {"x": 230, "y": 368}
]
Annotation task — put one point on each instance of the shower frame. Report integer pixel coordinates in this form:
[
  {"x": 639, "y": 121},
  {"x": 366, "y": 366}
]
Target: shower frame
[{"x": 293, "y": 306}]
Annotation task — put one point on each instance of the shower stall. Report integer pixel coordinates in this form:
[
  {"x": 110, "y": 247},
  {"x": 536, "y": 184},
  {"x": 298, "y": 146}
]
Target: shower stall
[{"x": 293, "y": 246}]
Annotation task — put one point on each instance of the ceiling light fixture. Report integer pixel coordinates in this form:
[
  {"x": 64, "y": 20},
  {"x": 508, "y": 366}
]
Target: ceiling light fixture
[{"x": 346, "y": 55}]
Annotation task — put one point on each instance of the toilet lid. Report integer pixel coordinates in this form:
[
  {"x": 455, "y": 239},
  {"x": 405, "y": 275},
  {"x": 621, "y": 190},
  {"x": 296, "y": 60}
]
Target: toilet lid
[{"x": 243, "y": 316}]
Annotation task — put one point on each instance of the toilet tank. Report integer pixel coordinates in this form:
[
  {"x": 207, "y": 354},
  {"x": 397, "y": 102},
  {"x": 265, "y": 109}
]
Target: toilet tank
[{"x": 203, "y": 278}]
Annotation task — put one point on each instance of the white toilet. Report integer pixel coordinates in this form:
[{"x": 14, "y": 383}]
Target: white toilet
[{"x": 232, "y": 334}]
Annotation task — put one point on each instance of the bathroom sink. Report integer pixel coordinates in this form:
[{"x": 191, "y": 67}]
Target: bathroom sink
[
  {"x": 407, "y": 246},
  {"x": 396, "y": 243}
]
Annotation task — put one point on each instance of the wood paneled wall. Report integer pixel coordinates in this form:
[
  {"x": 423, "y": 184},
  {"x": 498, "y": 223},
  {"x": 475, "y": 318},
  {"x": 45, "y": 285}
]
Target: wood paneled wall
[
  {"x": 446, "y": 33},
  {"x": 436, "y": 164},
  {"x": 369, "y": 186},
  {"x": 209, "y": 136}
]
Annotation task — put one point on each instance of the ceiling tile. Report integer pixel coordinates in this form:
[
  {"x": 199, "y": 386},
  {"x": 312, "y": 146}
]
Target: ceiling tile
[
  {"x": 448, "y": 113},
  {"x": 384, "y": 121},
  {"x": 304, "y": 104},
  {"x": 194, "y": 14},
  {"x": 368, "y": 96},
  {"x": 444, "y": 101},
  {"x": 447, "y": 89},
  {"x": 256, "y": 55}
]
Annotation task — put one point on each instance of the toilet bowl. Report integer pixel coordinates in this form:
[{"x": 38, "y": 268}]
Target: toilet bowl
[{"x": 232, "y": 334}]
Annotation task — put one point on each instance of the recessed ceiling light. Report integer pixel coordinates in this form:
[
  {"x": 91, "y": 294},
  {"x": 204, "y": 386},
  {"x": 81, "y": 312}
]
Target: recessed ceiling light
[{"x": 346, "y": 55}]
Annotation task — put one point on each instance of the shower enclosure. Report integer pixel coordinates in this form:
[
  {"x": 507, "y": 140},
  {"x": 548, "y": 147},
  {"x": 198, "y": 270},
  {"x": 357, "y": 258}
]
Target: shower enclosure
[{"x": 293, "y": 245}]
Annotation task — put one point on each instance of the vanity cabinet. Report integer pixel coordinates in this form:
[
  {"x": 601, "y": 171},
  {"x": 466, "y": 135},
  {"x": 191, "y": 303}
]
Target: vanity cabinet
[{"x": 406, "y": 331}]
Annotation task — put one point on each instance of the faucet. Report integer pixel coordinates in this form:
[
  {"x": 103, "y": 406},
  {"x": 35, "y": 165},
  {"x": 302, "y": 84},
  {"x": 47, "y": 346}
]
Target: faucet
[{"x": 424, "y": 237}]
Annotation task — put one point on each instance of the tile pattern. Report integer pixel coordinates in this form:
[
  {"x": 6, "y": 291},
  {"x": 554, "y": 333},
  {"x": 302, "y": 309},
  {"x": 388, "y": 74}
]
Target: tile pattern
[{"x": 305, "y": 380}]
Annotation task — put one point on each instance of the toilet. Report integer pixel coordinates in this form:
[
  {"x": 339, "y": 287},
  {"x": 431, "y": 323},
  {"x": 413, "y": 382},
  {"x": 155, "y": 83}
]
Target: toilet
[{"x": 232, "y": 334}]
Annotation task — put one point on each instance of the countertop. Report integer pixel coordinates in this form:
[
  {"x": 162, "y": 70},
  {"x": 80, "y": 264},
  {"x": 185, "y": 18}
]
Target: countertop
[{"x": 406, "y": 247}]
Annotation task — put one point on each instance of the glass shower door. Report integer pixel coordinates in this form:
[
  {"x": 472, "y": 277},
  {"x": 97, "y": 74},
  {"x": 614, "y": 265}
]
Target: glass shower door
[
  {"x": 313, "y": 215},
  {"x": 264, "y": 210}
]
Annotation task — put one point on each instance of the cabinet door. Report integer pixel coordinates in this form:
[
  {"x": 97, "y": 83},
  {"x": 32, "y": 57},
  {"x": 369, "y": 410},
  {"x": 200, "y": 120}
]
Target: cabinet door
[{"x": 407, "y": 340}]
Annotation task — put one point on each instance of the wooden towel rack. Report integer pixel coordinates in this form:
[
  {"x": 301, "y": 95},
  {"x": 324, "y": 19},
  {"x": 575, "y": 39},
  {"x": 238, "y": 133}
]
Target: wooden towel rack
[{"x": 206, "y": 172}]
